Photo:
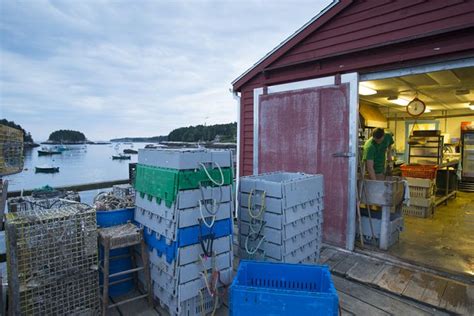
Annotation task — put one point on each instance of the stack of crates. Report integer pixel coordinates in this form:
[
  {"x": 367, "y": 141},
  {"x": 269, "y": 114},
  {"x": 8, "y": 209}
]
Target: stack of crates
[
  {"x": 280, "y": 217},
  {"x": 184, "y": 202},
  {"x": 422, "y": 197},
  {"x": 11, "y": 150}
]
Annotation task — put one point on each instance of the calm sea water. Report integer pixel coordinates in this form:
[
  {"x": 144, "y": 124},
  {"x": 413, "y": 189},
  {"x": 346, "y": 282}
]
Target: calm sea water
[{"x": 82, "y": 164}]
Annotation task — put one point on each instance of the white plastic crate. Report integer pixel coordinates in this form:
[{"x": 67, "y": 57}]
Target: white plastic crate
[
  {"x": 396, "y": 225},
  {"x": 418, "y": 211},
  {"x": 291, "y": 218},
  {"x": 185, "y": 159},
  {"x": 183, "y": 218},
  {"x": 289, "y": 245},
  {"x": 191, "y": 271},
  {"x": 292, "y": 188},
  {"x": 190, "y": 253},
  {"x": 275, "y": 206},
  {"x": 195, "y": 306},
  {"x": 289, "y": 231},
  {"x": 311, "y": 249},
  {"x": 163, "y": 283},
  {"x": 186, "y": 199},
  {"x": 422, "y": 202},
  {"x": 421, "y": 188}
]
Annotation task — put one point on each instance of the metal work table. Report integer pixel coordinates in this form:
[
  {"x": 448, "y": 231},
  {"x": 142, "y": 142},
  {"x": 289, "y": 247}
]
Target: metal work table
[
  {"x": 447, "y": 165},
  {"x": 387, "y": 194}
]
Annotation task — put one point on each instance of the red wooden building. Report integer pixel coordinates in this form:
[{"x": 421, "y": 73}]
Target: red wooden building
[{"x": 299, "y": 104}]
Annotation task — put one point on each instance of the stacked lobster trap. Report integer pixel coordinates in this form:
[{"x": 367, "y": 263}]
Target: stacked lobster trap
[
  {"x": 280, "y": 217},
  {"x": 52, "y": 261},
  {"x": 11, "y": 150},
  {"x": 184, "y": 202}
]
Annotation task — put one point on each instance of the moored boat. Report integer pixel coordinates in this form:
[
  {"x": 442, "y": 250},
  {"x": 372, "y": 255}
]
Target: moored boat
[
  {"x": 46, "y": 169},
  {"x": 121, "y": 157},
  {"x": 130, "y": 151},
  {"x": 48, "y": 152}
]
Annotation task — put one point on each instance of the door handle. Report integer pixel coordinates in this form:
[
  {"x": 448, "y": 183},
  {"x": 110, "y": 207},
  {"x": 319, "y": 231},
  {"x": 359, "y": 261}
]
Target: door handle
[{"x": 343, "y": 155}]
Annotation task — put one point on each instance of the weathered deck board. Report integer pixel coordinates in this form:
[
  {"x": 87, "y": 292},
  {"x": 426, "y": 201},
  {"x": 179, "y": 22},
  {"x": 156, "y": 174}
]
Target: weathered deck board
[
  {"x": 344, "y": 265},
  {"x": 434, "y": 291},
  {"x": 394, "y": 279},
  {"x": 416, "y": 286},
  {"x": 365, "y": 270},
  {"x": 358, "y": 307},
  {"x": 335, "y": 259},
  {"x": 326, "y": 254},
  {"x": 383, "y": 301},
  {"x": 428, "y": 288},
  {"x": 455, "y": 297}
]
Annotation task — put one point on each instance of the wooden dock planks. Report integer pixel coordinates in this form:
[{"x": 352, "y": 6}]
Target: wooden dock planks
[
  {"x": 420, "y": 286},
  {"x": 365, "y": 270},
  {"x": 394, "y": 279},
  {"x": 360, "y": 299}
]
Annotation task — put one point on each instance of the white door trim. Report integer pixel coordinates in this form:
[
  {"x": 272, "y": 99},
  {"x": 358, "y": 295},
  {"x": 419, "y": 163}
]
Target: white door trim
[{"x": 353, "y": 80}]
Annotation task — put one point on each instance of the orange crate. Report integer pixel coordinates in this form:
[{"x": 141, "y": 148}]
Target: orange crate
[{"x": 419, "y": 171}]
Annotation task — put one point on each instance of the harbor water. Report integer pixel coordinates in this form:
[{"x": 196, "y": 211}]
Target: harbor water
[{"x": 78, "y": 165}]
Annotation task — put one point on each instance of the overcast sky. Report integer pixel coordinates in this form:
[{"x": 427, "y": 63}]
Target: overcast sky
[{"x": 133, "y": 68}]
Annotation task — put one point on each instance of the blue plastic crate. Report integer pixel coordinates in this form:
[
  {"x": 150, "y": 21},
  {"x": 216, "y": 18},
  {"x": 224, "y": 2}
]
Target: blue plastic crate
[
  {"x": 264, "y": 288},
  {"x": 186, "y": 237},
  {"x": 115, "y": 217}
]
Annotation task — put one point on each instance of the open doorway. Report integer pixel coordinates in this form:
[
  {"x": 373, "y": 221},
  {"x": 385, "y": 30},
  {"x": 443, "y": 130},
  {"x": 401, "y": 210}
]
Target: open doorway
[{"x": 437, "y": 226}]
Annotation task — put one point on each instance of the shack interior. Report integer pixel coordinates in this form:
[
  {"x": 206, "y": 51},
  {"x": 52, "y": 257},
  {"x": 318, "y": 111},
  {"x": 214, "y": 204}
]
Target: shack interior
[{"x": 440, "y": 238}]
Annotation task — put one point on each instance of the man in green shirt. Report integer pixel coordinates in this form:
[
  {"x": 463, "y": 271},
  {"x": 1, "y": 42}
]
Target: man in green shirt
[{"x": 375, "y": 153}]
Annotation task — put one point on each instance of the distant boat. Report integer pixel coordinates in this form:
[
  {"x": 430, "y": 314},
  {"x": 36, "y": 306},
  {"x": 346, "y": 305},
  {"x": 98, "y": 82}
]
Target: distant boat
[
  {"x": 154, "y": 146},
  {"x": 121, "y": 157},
  {"x": 61, "y": 148},
  {"x": 46, "y": 169},
  {"x": 48, "y": 152},
  {"x": 130, "y": 151}
]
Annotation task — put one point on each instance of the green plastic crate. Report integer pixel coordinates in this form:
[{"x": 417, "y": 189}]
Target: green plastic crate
[{"x": 164, "y": 184}]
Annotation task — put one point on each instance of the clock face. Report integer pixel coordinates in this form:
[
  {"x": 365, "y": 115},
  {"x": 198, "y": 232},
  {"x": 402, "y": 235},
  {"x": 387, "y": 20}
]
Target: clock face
[{"x": 416, "y": 107}]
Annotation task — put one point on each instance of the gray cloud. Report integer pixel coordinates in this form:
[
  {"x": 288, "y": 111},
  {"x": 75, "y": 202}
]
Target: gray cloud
[{"x": 133, "y": 68}]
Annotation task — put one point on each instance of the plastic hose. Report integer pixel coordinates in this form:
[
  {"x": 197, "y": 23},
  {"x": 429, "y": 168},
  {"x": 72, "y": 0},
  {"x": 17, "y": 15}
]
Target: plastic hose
[
  {"x": 209, "y": 176},
  {"x": 262, "y": 205},
  {"x": 204, "y": 219},
  {"x": 216, "y": 203},
  {"x": 256, "y": 248}
]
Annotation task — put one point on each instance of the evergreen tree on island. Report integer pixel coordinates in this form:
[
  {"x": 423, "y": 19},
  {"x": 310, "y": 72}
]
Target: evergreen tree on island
[{"x": 67, "y": 136}]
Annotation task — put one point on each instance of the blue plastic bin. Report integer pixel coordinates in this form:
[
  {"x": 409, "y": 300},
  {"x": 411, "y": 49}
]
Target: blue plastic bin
[
  {"x": 114, "y": 218},
  {"x": 264, "y": 288}
]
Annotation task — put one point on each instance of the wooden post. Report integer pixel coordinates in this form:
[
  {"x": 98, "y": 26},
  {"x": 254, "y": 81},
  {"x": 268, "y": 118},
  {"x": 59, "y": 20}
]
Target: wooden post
[
  {"x": 146, "y": 267},
  {"x": 3, "y": 200},
  {"x": 105, "y": 294}
]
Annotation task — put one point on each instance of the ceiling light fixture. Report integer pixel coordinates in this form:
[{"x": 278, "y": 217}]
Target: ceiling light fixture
[
  {"x": 398, "y": 101},
  {"x": 427, "y": 110},
  {"x": 363, "y": 90},
  {"x": 471, "y": 105}
]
